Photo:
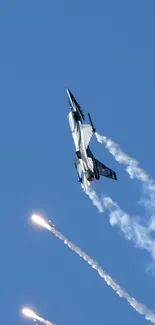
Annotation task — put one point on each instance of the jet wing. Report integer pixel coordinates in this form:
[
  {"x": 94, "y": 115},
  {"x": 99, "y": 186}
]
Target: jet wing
[
  {"x": 105, "y": 171},
  {"x": 87, "y": 133}
]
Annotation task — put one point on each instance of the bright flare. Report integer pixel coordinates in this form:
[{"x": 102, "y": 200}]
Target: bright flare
[
  {"x": 140, "y": 308},
  {"x": 40, "y": 221},
  {"x": 29, "y": 313}
]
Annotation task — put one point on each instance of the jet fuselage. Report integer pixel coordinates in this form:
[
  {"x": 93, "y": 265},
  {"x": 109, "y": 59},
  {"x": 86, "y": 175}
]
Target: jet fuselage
[
  {"x": 81, "y": 151},
  {"x": 84, "y": 161}
]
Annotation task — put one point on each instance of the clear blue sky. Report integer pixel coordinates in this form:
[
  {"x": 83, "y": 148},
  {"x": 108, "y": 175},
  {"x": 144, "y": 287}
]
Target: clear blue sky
[{"x": 104, "y": 51}]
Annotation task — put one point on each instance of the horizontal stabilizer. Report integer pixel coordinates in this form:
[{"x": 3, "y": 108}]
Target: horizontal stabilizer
[{"x": 105, "y": 171}]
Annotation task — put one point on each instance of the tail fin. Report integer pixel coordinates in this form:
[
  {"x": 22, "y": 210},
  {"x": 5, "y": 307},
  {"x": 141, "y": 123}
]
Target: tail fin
[
  {"x": 94, "y": 130},
  {"x": 105, "y": 171}
]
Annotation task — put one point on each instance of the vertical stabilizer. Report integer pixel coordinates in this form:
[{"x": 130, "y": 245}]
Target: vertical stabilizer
[{"x": 92, "y": 125}]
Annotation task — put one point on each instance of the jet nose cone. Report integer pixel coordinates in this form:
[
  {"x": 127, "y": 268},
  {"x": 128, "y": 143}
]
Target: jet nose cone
[
  {"x": 68, "y": 91},
  {"x": 70, "y": 96}
]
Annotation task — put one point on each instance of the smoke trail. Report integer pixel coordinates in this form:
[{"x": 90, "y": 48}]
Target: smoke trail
[
  {"x": 132, "y": 229},
  {"x": 94, "y": 198},
  {"x": 133, "y": 170},
  {"x": 140, "y": 308},
  {"x": 29, "y": 313}
]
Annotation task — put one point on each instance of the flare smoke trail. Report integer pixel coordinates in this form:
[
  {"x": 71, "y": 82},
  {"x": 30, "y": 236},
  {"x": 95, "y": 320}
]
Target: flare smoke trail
[
  {"x": 140, "y": 308},
  {"x": 133, "y": 170},
  {"x": 29, "y": 313}
]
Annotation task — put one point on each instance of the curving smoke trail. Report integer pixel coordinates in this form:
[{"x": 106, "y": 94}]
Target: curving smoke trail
[
  {"x": 140, "y": 308},
  {"x": 131, "y": 227},
  {"x": 133, "y": 168},
  {"x": 134, "y": 171},
  {"x": 94, "y": 198}
]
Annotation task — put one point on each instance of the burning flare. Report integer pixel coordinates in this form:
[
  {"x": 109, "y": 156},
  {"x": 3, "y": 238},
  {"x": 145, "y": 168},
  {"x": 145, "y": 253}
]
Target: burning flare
[
  {"x": 29, "y": 313},
  {"x": 140, "y": 308},
  {"x": 40, "y": 221}
]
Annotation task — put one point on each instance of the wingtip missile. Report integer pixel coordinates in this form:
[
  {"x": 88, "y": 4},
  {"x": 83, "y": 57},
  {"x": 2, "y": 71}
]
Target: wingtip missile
[{"x": 93, "y": 128}]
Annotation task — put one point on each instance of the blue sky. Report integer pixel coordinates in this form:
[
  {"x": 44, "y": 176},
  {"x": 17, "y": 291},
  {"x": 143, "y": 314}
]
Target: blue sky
[{"x": 104, "y": 52}]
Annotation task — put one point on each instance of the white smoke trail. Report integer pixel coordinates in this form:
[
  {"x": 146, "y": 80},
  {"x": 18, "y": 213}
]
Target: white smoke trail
[
  {"x": 94, "y": 198},
  {"x": 29, "y": 313},
  {"x": 131, "y": 227},
  {"x": 133, "y": 170},
  {"x": 139, "y": 234},
  {"x": 140, "y": 308}
]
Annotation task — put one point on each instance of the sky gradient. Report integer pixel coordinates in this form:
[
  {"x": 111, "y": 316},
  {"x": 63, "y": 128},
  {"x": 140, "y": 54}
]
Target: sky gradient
[{"x": 104, "y": 52}]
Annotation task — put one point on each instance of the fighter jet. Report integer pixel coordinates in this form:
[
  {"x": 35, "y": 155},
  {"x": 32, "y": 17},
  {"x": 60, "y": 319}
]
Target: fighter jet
[{"x": 88, "y": 168}]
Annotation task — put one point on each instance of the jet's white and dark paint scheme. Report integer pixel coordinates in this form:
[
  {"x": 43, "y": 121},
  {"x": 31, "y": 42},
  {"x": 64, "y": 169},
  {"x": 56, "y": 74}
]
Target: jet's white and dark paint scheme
[{"x": 84, "y": 161}]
